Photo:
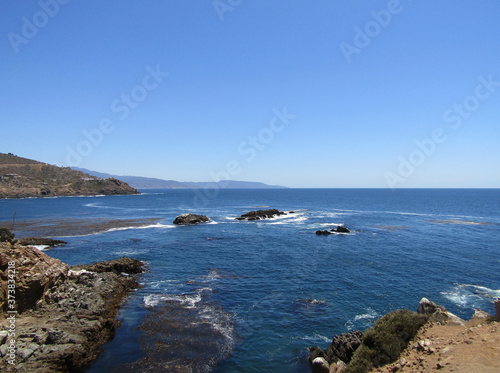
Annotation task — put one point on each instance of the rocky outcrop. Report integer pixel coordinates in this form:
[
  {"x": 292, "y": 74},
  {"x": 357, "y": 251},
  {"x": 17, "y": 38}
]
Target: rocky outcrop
[
  {"x": 437, "y": 313},
  {"x": 339, "y": 229},
  {"x": 117, "y": 266},
  {"x": 64, "y": 313},
  {"x": 261, "y": 214},
  {"x": 36, "y": 273},
  {"x": 385, "y": 342},
  {"x": 341, "y": 349},
  {"x": 41, "y": 241},
  {"x": 189, "y": 219}
]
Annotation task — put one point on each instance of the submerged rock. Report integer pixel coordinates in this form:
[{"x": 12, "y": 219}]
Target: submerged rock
[
  {"x": 261, "y": 214},
  {"x": 187, "y": 219}
]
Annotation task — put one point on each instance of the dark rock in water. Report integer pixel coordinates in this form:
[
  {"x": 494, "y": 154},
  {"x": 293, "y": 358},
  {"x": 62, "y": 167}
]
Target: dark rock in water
[
  {"x": 186, "y": 219},
  {"x": 323, "y": 233},
  {"x": 123, "y": 265},
  {"x": 41, "y": 241},
  {"x": 341, "y": 229},
  {"x": 261, "y": 214},
  {"x": 342, "y": 348}
]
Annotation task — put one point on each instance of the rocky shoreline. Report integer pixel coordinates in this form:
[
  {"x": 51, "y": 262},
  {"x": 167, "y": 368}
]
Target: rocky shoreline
[{"x": 64, "y": 314}]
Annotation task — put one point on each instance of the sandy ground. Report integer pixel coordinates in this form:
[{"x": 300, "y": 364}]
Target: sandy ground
[{"x": 474, "y": 347}]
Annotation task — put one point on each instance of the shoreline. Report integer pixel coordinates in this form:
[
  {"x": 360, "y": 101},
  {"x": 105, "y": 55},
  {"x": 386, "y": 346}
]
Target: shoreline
[{"x": 61, "y": 315}]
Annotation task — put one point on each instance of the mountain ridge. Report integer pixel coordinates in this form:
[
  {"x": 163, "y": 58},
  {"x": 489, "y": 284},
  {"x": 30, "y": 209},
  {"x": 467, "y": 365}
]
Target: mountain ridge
[{"x": 141, "y": 182}]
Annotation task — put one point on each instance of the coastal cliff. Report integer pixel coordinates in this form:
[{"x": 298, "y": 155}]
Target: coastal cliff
[
  {"x": 430, "y": 339},
  {"x": 64, "y": 314},
  {"x": 22, "y": 178}
]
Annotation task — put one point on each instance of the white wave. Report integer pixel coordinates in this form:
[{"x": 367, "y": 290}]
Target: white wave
[
  {"x": 41, "y": 247},
  {"x": 369, "y": 315},
  {"x": 316, "y": 338},
  {"x": 212, "y": 222},
  {"x": 155, "y": 226},
  {"x": 298, "y": 219},
  {"x": 332, "y": 224},
  {"x": 126, "y": 252},
  {"x": 187, "y": 301},
  {"x": 470, "y": 296},
  {"x": 362, "y": 320}
]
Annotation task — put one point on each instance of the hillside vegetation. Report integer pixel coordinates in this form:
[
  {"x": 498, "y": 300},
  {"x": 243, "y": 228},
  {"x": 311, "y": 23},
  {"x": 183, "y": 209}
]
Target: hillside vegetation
[{"x": 22, "y": 177}]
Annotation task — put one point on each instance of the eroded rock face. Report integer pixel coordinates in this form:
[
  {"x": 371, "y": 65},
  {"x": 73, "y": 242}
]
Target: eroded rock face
[
  {"x": 261, "y": 214},
  {"x": 188, "y": 219},
  {"x": 36, "y": 273},
  {"x": 341, "y": 349},
  {"x": 65, "y": 313}
]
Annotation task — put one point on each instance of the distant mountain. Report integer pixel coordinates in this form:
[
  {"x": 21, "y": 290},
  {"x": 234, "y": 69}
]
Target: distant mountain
[
  {"x": 139, "y": 182},
  {"x": 22, "y": 177}
]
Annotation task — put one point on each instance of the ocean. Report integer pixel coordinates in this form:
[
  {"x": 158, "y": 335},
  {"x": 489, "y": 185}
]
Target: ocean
[{"x": 238, "y": 296}]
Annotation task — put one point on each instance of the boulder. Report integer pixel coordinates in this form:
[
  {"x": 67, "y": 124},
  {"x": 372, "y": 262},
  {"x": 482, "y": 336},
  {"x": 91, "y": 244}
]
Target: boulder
[
  {"x": 341, "y": 229},
  {"x": 260, "y": 214},
  {"x": 497, "y": 308},
  {"x": 188, "y": 219},
  {"x": 320, "y": 365},
  {"x": 438, "y": 314}
]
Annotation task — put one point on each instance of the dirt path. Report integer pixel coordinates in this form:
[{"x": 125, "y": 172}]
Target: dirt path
[{"x": 474, "y": 347}]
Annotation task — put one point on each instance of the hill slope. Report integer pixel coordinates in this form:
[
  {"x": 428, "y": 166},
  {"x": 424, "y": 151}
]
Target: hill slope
[
  {"x": 22, "y": 177},
  {"x": 153, "y": 183}
]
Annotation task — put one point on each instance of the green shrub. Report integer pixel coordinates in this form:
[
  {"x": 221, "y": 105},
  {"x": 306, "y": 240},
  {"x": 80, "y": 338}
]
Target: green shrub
[
  {"x": 6, "y": 235},
  {"x": 385, "y": 340}
]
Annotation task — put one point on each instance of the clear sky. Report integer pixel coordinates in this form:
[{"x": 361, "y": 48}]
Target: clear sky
[{"x": 324, "y": 93}]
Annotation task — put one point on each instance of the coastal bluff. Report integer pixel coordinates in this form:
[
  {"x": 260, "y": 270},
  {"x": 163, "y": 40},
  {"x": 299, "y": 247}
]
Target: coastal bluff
[
  {"x": 64, "y": 313},
  {"x": 23, "y": 178},
  {"x": 431, "y": 339}
]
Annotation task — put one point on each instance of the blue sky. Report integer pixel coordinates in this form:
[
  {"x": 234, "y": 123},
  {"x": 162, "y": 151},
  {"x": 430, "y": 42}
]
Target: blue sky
[{"x": 297, "y": 93}]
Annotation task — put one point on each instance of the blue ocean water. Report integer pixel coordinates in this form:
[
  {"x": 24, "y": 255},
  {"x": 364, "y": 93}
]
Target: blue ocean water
[{"x": 270, "y": 289}]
